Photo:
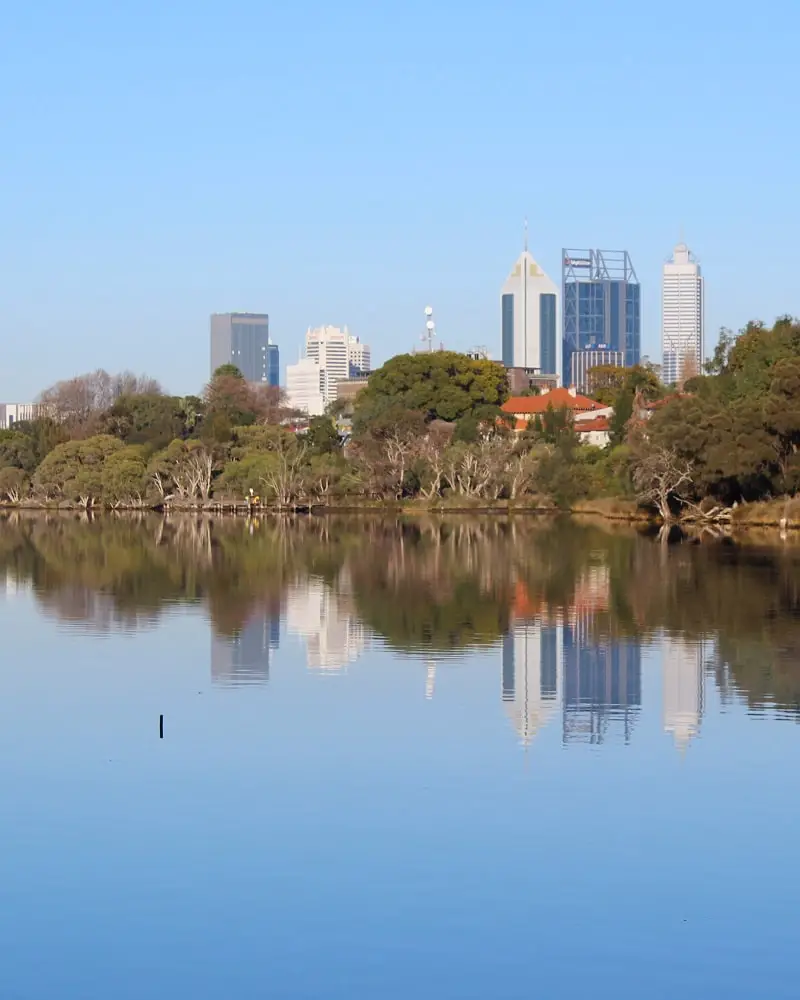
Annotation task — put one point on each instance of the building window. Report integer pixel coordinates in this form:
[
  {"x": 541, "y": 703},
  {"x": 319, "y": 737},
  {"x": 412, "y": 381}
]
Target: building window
[
  {"x": 547, "y": 333},
  {"x": 508, "y": 330}
]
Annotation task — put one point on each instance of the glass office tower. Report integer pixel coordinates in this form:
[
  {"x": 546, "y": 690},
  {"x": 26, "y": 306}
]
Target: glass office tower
[
  {"x": 601, "y": 304},
  {"x": 242, "y": 339}
]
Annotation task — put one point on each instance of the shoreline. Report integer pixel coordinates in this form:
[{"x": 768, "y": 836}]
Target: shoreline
[{"x": 770, "y": 514}]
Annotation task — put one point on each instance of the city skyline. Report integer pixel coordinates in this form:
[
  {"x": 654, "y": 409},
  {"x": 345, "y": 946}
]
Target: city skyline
[{"x": 123, "y": 232}]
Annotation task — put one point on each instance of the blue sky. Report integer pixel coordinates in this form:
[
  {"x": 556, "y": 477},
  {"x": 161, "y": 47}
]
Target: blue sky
[{"x": 352, "y": 162}]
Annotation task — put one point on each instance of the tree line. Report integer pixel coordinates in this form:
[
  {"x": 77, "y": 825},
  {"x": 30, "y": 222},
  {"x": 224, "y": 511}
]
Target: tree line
[{"x": 427, "y": 428}]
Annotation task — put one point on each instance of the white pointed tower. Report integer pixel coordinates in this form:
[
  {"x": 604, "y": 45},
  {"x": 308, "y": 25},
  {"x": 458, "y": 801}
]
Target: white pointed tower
[{"x": 529, "y": 316}]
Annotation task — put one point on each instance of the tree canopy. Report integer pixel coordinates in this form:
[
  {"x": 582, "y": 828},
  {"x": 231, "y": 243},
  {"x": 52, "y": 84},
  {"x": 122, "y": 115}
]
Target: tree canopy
[{"x": 441, "y": 385}]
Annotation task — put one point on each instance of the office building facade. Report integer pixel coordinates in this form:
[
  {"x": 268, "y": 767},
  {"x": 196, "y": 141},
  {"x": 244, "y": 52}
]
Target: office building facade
[
  {"x": 529, "y": 318},
  {"x": 13, "y": 413},
  {"x": 601, "y": 300},
  {"x": 339, "y": 355},
  {"x": 242, "y": 339},
  {"x": 583, "y": 361},
  {"x": 303, "y": 387},
  {"x": 682, "y": 316}
]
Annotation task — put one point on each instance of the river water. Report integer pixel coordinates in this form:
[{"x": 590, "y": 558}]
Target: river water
[{"x": 467, "y": 759}]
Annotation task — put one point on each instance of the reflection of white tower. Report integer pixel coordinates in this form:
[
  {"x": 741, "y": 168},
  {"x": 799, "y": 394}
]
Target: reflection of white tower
[
  {"x": 533, "y": 670},
  {"x": 430, "y": 679},
  {"x": 684, "y": 689},
  {"x": 334, "y": 636}
]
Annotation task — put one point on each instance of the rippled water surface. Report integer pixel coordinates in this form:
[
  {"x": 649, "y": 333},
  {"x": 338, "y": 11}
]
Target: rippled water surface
[{"x": 400, "y": 759}]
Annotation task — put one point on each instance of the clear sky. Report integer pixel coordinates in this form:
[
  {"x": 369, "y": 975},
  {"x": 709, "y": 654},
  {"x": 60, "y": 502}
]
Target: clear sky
[{"x": 352, "y": 162}]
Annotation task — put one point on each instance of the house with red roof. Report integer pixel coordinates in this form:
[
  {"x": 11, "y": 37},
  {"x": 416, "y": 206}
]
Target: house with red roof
[{"x": 591, "y": 419}]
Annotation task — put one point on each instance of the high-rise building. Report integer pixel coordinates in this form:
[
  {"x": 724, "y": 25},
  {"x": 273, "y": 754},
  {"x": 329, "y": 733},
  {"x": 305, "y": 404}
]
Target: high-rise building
[
  {"x": 304, "y": 387},
  {"x": 592, "y": 357},
  {"x": 529, "y": 318},
  {"x": 602, "y": 304},
  {"x": 339, "y": 355},
  {"x": 242, "y": 339},
  {"x": 682, "y": 316}
]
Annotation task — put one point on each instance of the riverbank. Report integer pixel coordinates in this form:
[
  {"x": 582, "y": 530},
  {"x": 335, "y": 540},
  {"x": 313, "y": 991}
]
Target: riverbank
[{"x": 782, "y": 513}]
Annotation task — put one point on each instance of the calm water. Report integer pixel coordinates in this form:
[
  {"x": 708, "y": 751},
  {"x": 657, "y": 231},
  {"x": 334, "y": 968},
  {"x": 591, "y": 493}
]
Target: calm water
[{"x": 436, "y": 759}]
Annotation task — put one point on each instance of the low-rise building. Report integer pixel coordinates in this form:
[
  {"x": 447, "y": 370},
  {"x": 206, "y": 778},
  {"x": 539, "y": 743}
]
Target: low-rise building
[
  {"x": 347, "y": 389},
  {"x": 303, "y": 387},
  {"x": 591, "y": 419},
  {"x": 594, "y": 430},
  {"x": 13, "y": 413},
  {"x": 523, "y": 379}
]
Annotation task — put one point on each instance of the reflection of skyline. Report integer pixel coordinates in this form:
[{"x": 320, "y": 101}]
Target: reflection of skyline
[
  {"x": 558, "y": 661},
  {"x": 532, "y": 676},
  {"x": 245, "y": 657},
  {"x": 327, "y": 620},
  {"x": 602, "y": 687},
  {"x": 684, "y": 689}
]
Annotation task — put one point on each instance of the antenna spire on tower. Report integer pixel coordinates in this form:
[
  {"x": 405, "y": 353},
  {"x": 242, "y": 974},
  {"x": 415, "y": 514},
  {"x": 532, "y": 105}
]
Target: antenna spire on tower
[{"x": 526, "y": 234}]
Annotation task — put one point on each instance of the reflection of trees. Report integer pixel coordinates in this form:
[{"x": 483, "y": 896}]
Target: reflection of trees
[{"x": 436, "y": 584}]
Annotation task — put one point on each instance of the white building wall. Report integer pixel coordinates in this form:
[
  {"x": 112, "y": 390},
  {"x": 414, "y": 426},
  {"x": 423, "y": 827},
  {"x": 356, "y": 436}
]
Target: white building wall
[
  {"x": 12, "y": 413},
  {"x": 682, "y": 314},
  {"x": 527, "y": 282},
  {"x": 303, "y": 387}
]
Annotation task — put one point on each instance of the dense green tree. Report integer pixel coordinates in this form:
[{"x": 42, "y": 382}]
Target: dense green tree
[
  {"x": 123, "y": 478},
  {"x": 73, "y": 470},
  {"x": 18, "y": 450},
  {"x": 147, "y": 418},
  {"x": 228, "y": 371},
  {"x": 322, "y": 437},
  {"x": 14, "y": 484},
  {"x": 440, "y": 385}
]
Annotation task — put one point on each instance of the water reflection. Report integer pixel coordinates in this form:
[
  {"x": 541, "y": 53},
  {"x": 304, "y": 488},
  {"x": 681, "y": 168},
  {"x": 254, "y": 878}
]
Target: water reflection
[
  {"x": 244, "y": 658},
  {"x": 569, "y": 608},
  {"x": 326, "y": 619},
  {"x": 683, "y": 671}
]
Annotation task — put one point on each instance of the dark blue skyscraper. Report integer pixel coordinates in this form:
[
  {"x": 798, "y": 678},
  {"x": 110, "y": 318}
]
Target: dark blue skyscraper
[
  {"x": 242, "y": 339},
  {"x": 601, "y": 304}
]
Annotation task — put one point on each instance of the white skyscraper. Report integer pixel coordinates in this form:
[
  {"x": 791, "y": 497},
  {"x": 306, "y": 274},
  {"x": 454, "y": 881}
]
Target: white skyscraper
[
  {"x": 529, "y": 318},
  {"x": 682, "y": 316},
  {"x": 339, "y": 356}
]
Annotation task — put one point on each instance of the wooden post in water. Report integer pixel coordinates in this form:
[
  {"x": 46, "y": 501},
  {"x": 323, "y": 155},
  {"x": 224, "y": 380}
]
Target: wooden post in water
[{"x": 161, "y": 727}]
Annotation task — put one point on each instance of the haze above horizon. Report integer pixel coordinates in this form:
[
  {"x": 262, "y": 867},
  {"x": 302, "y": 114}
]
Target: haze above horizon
[{"x": 352, "y": 164}]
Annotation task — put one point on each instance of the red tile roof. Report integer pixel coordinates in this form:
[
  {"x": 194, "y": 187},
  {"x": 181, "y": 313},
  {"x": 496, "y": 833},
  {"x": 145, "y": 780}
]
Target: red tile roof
[
  {"x": 598, "y": 424},
  {"x": 557, "y": 398}
]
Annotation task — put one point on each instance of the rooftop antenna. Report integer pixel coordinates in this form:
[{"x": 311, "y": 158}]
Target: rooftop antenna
[
  {"x": 430, "y": 328},
  {"x": 525, "y": 239}
]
